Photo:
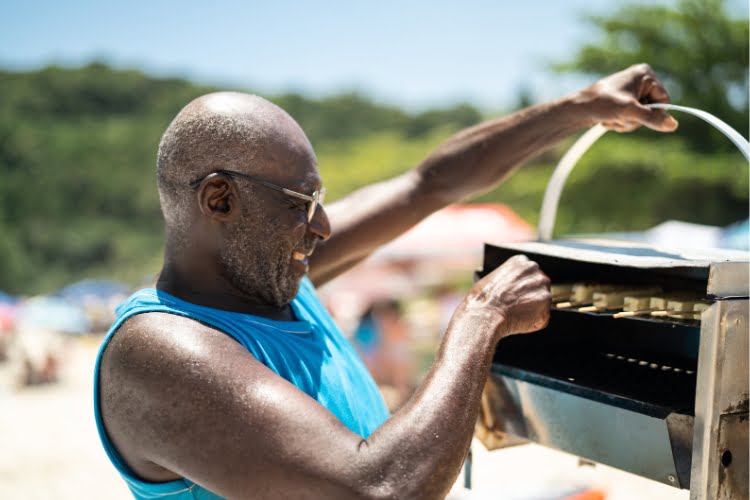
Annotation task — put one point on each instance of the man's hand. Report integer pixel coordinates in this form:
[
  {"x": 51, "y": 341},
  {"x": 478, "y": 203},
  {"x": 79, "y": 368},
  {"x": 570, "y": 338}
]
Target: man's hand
[
  {"x": 618, "y": 101},
  {"x": 518, "y": 291}
]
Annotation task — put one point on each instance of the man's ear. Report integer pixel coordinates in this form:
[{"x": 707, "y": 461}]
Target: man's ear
[{"x": 218, "y": 199}]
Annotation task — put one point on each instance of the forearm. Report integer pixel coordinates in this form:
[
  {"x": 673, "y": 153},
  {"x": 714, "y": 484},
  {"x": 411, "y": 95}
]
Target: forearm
[
  {"x": 479, "y": 158},
  {"x": 418, "y": 452}
]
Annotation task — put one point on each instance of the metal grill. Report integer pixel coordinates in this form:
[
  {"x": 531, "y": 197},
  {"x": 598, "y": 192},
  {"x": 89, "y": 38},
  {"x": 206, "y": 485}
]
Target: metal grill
[{"x": 662, "y": 397}]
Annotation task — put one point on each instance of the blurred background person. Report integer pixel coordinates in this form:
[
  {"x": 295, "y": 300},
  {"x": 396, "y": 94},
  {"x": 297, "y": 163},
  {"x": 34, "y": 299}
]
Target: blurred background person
[{"x": 382, "y": 339}]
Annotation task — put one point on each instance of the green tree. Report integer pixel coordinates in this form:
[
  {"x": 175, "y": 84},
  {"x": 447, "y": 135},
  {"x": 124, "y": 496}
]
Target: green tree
[
  {"x": 77, "y": 164},
  {"x": 697, "y": 48}
]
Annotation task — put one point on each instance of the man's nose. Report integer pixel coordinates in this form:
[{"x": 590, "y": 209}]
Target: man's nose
[{"x": 320, "y": 226}]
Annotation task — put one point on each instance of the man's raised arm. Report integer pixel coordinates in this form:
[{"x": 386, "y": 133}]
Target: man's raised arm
[{"x": 477, "y": 159}]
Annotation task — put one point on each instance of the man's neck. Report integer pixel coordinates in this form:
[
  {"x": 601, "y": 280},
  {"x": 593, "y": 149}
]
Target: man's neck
[{"x": 211, "y": 290}]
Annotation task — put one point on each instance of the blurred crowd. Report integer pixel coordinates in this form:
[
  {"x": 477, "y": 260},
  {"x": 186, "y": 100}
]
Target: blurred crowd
[
  {"x": 396, "y": 333},
  {"x": 35, "y": 332},
  {"x": 397, "y": 336}
]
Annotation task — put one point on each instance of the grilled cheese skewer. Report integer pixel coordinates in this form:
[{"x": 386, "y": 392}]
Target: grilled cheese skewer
[
  {"x": 677, "y": 308},
  {"x": 688, "y": 309},
  {"x": 636, "y": 303},
  {"x": 595, "y": 297},
  {"x": 616, "y": 299},
  {"x": 561, "y": 291},
  {"x": 582, "y": 294},
  {"x": 641, "y": 306}
]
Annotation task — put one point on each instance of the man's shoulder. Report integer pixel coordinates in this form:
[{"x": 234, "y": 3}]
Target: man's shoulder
[
  {"x": 160, "y": 342},
  {"x": 153, "y": 365},
  {"x": 155, "y": 356},
  {"x": 152, "y": 328}
]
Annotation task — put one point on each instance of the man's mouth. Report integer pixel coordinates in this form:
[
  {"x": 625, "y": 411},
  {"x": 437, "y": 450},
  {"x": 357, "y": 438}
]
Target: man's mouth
[{"x": 303, "y": 251}]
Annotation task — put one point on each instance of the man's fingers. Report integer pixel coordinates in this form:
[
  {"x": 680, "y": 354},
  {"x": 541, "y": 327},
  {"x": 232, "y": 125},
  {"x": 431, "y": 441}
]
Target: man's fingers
[
  {"x": 659, "y": 120},
  {"x": 652, "y": 91},
  {"x": 621, "y": 126},
  {"x": 655, "y": 119},
  {"x": 625, "y": 96}
]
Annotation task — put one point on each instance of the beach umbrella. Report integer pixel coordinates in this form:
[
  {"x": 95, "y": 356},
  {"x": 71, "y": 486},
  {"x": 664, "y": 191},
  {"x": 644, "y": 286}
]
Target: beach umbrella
[
  {"x": 84, "y": 291},
  {"x": 51, "y": 313},
  {"x": 7, "y": 316},
  {"x": 448, "y": 243},
  {"x": 7, "y": 299},
  {"x": 736, "y": 236},
  {"x": 458, "y": 231}
]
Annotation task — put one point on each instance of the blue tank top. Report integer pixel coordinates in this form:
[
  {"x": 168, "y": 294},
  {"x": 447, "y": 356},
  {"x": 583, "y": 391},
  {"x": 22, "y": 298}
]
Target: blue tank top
[{"x": 311, "y": 353}]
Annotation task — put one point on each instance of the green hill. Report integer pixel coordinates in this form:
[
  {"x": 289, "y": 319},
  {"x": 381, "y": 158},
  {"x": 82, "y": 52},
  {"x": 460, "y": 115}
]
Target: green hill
[
  {"x": 77, "y": 159},
  {"x": 77, "y": 163}
]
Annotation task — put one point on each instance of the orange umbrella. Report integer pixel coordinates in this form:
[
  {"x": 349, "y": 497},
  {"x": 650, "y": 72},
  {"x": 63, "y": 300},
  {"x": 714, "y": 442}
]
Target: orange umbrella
[
  {"x": 458, "y": 230},
  {"x": 447, "y": 243}
]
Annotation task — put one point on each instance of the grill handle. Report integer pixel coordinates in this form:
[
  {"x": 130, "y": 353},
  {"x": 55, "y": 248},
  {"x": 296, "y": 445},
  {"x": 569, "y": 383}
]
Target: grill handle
[{"x": 571, "y": 157}]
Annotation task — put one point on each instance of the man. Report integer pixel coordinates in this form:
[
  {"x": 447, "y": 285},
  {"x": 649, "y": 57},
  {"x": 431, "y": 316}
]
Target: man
[{"x": 230, "y": 379}]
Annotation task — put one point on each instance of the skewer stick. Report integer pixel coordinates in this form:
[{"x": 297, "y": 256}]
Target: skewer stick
[
  {"x": 568, "y": 305},
  {"x": 651, "y": 312},
  {"x": 630, "y": 314},
  {"x": 596, "y": 308},
  {"x": 672, "y": 313},
  {"x": 588, "y": 309}
]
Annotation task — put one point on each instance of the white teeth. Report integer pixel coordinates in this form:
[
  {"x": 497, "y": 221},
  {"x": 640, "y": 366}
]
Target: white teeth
[{"x": 298, "y": 255}]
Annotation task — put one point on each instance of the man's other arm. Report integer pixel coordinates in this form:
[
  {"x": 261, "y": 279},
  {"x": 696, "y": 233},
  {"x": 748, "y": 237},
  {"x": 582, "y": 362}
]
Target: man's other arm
[{"x": 476, "y": 160}]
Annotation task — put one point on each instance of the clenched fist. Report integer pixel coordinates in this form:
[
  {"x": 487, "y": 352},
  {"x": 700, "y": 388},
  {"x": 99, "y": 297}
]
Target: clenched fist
[
  {"x": 617, "y": 101},
  {"x": 518, "y": 291}
]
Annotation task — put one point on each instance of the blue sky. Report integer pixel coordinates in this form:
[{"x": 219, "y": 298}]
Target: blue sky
[{"x": 415, "y": 54}]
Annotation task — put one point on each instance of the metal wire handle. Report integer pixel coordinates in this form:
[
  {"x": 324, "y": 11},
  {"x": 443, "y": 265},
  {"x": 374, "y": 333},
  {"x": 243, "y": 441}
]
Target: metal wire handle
[{"x": 571, "y": 157}]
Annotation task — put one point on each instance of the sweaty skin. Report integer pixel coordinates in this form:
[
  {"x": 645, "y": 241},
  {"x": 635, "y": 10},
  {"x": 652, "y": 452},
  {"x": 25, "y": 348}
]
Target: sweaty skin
[{"x": 180, "y": 399}]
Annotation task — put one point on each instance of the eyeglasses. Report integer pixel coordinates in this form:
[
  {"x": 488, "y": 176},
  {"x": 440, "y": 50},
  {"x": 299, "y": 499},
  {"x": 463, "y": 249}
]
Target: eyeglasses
[{"x": 312, "y": 201}]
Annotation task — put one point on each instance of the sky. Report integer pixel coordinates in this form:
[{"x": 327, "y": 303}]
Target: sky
[{"x": 415, "y": 54}]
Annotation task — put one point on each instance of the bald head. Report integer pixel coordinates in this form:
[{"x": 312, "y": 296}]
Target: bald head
[{"x": 224, "y": 130}]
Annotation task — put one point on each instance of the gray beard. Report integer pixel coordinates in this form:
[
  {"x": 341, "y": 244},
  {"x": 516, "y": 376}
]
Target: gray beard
[{"x": 257, "y": 264}]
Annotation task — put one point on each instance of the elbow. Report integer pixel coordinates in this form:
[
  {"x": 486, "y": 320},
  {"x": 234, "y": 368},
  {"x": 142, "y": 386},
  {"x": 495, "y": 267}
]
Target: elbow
[
  {"x": 377, "y": 484},
  {"x": 379, "y": 493},
  {"x": 396, "y": 484},
  {"x": 433, "y": 189},
  {"x": 449, "y": 178},
  {"x": 393, "y": 491}
]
